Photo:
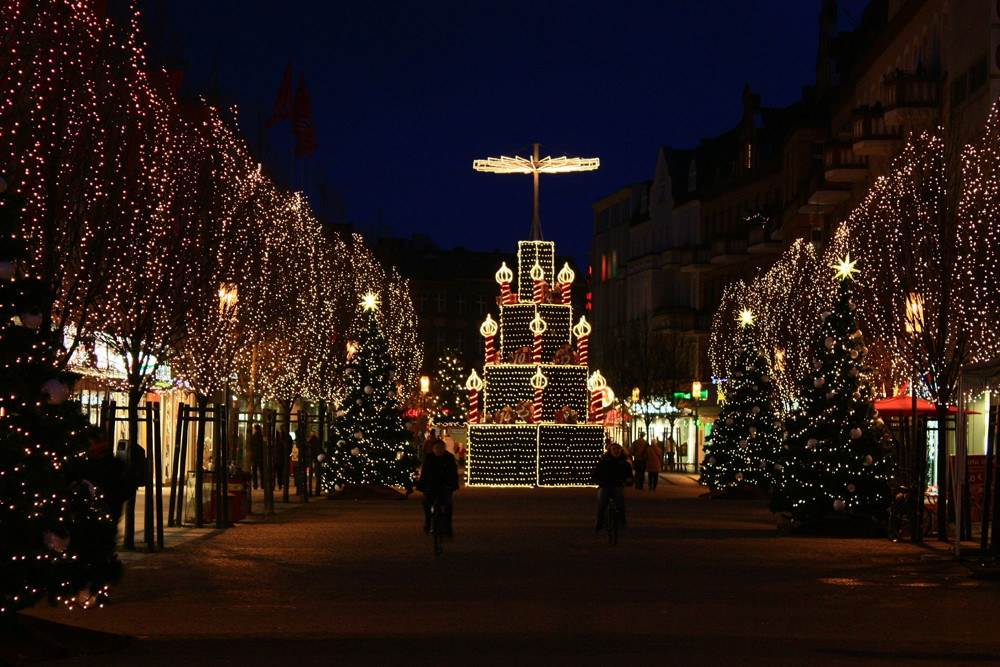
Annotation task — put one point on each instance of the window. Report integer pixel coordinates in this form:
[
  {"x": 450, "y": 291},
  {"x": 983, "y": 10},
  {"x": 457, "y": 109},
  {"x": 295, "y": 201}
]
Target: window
[
  {"x": 439, "y": 342},
  {"x": 422, "y": 302},
  {"x": 480, "y": 304},
  {"x": 460, "y": 304},
  {"x": 460, "y": 343},
  {"x": 692, "y": 177},
  {"x": 439, "y": 302}
]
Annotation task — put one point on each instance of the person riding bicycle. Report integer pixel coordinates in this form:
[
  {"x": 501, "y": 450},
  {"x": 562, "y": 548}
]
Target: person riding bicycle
[
  {"x": 438, "y": 478},
  {"x": 612, "y": 474}
]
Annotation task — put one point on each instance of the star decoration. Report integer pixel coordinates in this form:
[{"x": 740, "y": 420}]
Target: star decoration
[
  {"x": 370, "y": 301},
  {"x": 746, "y": 318},
  {"x": 846, "y": 268}
]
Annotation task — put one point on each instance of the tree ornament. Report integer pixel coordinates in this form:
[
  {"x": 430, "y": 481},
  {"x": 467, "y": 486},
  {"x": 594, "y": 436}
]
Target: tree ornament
[
  {"x": 356, "y": 451},
  {"x": 811, "y": 444},
  {"x": 854, "y": 354},
  {"x": 819, "y": 382},
  {"x": 31, "y": 320},
  {"x": 739, "y": 476},
  {"x": 854, "y": 372},
  {"x": 359, "y": 435},
  {"x": 55, "y": 391},
  {"x": 341, "y": 413},
  {"x": 755, "y": 409},
  {"x": 756, "y": 388},
  {"x": 825, "y": 314},
  {"x": 360, "y": 401},
  {"x": 7, "y": 270},
  {"x": 868, "y": 460},
  {"x": 338, "y": 487},
  {"x": 341, "y": 443},
  {"x": 856, "y": 395},
  {"x": 753, "y": 430},
  {"x": 829, "y": 342},
  {"x": 744, "y": 443},
  {"x": 830, "y": 394},
  {"x": 855, "y": 433},
  {"x": 54, "y": 542},
  {"x": 711, "y": 459},
  {"x": 851, "y": 488},
  {"x": 839, "y": 505},
  {"x": 369, "y": 389},
  {"x": 321, "y": 458},
  {"x": 729, "y": 421}
]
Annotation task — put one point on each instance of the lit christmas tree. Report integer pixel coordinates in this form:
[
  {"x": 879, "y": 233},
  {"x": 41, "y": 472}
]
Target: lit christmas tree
[
  {"x": 743, "y": 448},
  {"x": 836, "y": 457},
  {"x": 371, "y": 443},
  {"x": 449, "y": 388},
  {"x": 57, "y": 539}
]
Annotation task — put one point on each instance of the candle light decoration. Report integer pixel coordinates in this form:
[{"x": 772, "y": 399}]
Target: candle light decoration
[
  {"x": 582, "y": 333},
  {"x": 537, "y": 276},
  {"x": 503, "y": 276},
  {"x": 538, "y": 382},
  {"x": 474, "y": 384},
  {"x": 489, "y": 330},
  {"x": 566, "y": 278},
  {"x": 538, "y": 327},
  {"x": 597, "y": 384}
]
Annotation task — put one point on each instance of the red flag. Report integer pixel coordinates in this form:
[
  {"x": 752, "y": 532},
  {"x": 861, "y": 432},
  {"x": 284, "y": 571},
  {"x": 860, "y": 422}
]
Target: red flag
[
  {"x": 302, "y": 121},
  {"x": 283, "y": 105}
]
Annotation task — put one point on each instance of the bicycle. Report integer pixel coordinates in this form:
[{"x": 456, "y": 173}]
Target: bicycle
[
  {"x": 437, "y": 526},
  {"x": 611, "y": 519}
]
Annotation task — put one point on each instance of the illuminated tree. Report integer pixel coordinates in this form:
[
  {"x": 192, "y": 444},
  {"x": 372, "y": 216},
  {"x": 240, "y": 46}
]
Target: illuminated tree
[
  {"x": 57, "y": 536},
  {"x": 835, "y": 459},
  {"x": 931, "y": 299},
  {"x": 371, "y": 443},
  {"x": 450, "y": 394},
  {"x": 746, "y": 437}
]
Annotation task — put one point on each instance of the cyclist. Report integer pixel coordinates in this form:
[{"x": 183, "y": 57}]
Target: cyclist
[
  {"x": 612, "y": 474},
  {"x": 438, "y": 478}
]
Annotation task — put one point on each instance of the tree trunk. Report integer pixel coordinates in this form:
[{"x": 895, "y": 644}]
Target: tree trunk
[{"x": 199, "y": 464}]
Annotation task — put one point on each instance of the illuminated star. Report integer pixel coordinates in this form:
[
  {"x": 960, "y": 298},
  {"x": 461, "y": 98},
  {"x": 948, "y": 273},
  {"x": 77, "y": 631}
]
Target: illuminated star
[
  {"x": 746, "y": 318},
  {"x": 846, "y": 268},
  {"x": 370, "y": 301}
]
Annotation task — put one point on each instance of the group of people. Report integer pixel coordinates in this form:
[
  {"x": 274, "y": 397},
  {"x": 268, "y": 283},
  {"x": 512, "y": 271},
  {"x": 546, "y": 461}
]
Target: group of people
[{"x": 282, "y": 458}]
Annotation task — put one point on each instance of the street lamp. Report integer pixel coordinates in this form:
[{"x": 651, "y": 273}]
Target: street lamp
[
  {"x": 915, "y": 325},
  {"x": 695, "y": 395},
  {"x": 425, "y": 386}
]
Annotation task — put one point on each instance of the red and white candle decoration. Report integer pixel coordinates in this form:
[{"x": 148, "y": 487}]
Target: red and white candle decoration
[
  {"x": 538, "y": 381},
  {"x": 489, "y": 330},
  {"x": 537, "y": 277},
  {"x": 596, "y": 384},
  {"x": 566, "y": 278},
  {"x": 582, "y": 333},
  {"x": 537, "y": 327},
  {"x": 504, "y": 276},
  {"x": 474, "y": 385}
]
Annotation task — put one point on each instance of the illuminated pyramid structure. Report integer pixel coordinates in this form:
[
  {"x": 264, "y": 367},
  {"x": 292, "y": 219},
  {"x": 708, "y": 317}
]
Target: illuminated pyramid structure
[{"x": 540, "y": 419}]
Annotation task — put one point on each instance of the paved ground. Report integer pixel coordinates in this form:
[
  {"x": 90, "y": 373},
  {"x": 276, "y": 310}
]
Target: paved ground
[{"x": 527, "y": 581}]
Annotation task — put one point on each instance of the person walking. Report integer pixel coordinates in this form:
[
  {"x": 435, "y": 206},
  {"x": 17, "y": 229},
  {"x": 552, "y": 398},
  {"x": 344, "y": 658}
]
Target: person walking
[
  {"x": 671, "y": 447},
  {"x": 638, "y": 454},
  {"x": 654, "y": 463},
  {"x": 282, "y": 454},
  {"x": 256, "y": 449},
  {"x": 612, "y": 474}
]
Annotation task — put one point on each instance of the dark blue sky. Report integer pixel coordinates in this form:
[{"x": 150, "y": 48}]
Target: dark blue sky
[{"x": 406, "y": 94}]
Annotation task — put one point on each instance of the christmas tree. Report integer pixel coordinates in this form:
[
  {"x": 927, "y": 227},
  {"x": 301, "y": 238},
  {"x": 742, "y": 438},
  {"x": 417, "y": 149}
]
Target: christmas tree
[
  {"x": 371, "y": 443},
  {"x": 743, "y": 448},
  {"x": 57, "y": 538},
  {"x": 836, "y": 457},
  {"x": 449, "y": 388}
]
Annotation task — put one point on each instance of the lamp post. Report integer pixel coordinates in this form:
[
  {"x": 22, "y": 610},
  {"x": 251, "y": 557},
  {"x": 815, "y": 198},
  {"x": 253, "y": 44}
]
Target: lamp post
[
  {"x": 695, "y": 395},
  {"x": 914, "y": 326},
  {"x": 228, "y": 299}
]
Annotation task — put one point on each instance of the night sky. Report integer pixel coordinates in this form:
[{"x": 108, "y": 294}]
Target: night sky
[{"x": 405, "y": 95}]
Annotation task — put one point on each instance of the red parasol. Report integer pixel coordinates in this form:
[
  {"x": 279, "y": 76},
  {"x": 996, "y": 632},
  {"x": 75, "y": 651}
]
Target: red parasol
[{"x": 902, "y": 406}]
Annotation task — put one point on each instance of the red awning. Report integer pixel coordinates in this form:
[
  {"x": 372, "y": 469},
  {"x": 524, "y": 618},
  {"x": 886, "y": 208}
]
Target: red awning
[{"x": 902, "y": 406}]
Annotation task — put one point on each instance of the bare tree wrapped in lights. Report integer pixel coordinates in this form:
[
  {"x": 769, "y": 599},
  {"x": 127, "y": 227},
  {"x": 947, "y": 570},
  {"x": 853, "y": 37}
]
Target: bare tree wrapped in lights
[
  {"x": 57, "y": 535},
  {"x": 742, "y": 451},
  {"x": 835, "y": 459},
  {"x": 371, "y": 444},
  {"x": 68, "y": 115},
  {"x": 933, "y": 219}
]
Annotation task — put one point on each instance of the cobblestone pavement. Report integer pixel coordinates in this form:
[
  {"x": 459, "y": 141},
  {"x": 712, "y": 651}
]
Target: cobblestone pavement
[{"x": 527, "y": 581}]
